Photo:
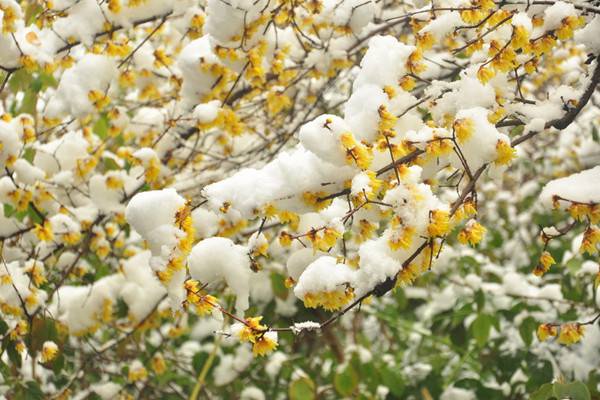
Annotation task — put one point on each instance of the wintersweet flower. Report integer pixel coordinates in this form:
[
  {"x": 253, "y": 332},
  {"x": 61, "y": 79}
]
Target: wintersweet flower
[
  {"x": 570, "y": 333},
  {"x": 546, "y": 331},
  {"x": 49, "y": 351}
]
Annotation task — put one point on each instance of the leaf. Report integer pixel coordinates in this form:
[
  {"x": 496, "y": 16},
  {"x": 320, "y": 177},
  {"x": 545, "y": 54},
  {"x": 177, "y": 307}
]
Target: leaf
[
  {"x": 13, "y": 354},
  {"x": 42, "y": 329},
  {"x": 278, "y": 286},
  {"x": 28, "y": 105},
  {"x": 302, "y": 389},
  {"x": 101, "y": 126},
  {"x": 526, "y": 330},
  {"x": 573, "y": 391},
  {"x": 545, "y": 392},
  {"x": 346, "y": 382},
  {"x": 480, "y": 328},
  {"x": 393, "y": 380},
  {"x": 199, "y": 360},
  {"x": 3, "y": 327},
  {"x": 595, "y": 135},
  {"x": 480, "y": 300},
  {"x": 33, "y": 391}
]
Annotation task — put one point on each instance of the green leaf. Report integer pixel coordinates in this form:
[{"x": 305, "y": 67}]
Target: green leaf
[
  {"x": 101, "y": 126},
  {"x": 545, "y": 392},
  {"x": 346, "y": 382},
  {"x": 302, "y": 389},
  {"x": 3, "y": 327},
  {"x": 393, "y": 380},
  {"x": 199, "y": 360},
  {"x": 480, "y": 300},
  {"x": 480, "y": 328},
  {"x": 573, "y": 391},
  {"x": 13, "y": 354},
  {"x": 33, "y": 391},
  {"x": 278, "y": 286},
  {"x": 595, "y": 135},
  {"x": 28, "y": 105},
  {"x": 526, "y": 330}
]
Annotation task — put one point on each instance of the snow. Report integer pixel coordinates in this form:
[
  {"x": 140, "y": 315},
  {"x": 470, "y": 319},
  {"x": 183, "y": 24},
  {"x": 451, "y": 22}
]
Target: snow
[
  {"x": 324, "y": 274},
  {"x": 554, "y": 14},
  {"x": 250, "y": 188},
  {"x": 581, "y": 187},
  {"x": 92, "y": 72},
  {"x": 588, "y": 36},
  {"x": 299, "y": 327},
  {"x": 215, "y": 259},
  {"x": 444, "y": 24}
]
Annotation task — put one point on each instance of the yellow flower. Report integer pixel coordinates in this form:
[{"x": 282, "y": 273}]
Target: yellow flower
[
  {"x": 495, "y": 116},
  {"x": 546, "y": 331},
  {"x": 161, "y": 58},
  {"x": 520, "y": 37},
  {"x": 570, "y": 333},
  {"x": 49, "y": 351},
  {"x": 463, "y": 129},
  {"x": 472, "y": 233},
  {"x": 485, "y": 74},
  {"x": 114, "y": 6},
  {"x": 314, "y": 199},
  {"x": 439, "y": 223},
  {"x": 158, "y": 364},
  {"x": 590, "y": 241},
  {"x": 402, "y": 240},
  {"x": 265, "y": 344},
  {"x": 44, "y": 231},
  {"x": 407, "y": 83},
  {"x": 114, "y": 182},
  {"x": 578, "y": 211},
  {"x": 98, "y": 98},
  {"x": 439, "y": 146},
  {"x": 251, "y": 330},
  {"x": 390, "y": 91},
  {"x": 425, "y": 41},
  {"x": 137, "y": 372},
  {"x": 276, "y": 102},
  {"x": 504, "y": 153},
  {"x": 357, "y": 153},
  {"x": 330, "y": 300},
  {"x": 543, "y": 266}
]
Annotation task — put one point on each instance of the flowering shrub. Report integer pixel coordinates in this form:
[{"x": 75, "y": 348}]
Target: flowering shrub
[{"x": 257, "y": 199}]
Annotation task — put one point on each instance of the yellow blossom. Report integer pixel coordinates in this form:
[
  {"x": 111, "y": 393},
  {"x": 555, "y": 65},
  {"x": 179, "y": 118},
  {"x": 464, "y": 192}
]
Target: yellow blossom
[
  {"x": 158, "y": 364},
  {"x": 544, "y": 264},
  {"x": 407, "y": 83},
  {"x": 356, "y": 153},
  {"x": 570, "y": 333},
  {"x": 402, "y": 240},
  {"x": 44, "y": 231},
  {"x": 485, "y": 74},
  {"x": 264, "y": 344},
  {"x": 546, "y": 331},
  {"x": 439, "y": 223},
  {"x": 463, "y": 129},
  {"x": 505, "y": 153},
  {"x": 591, "y": 238},
  {"x": 49, "y": 351},
  {"x": 329, "y": 300},
  {"x": 472, "y": 233},
  {"x": 137, "y": 373}
]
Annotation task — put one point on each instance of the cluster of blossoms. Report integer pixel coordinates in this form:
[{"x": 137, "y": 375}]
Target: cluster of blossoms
[{"x": 174, "y": 165}]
